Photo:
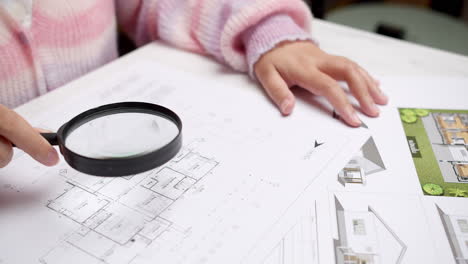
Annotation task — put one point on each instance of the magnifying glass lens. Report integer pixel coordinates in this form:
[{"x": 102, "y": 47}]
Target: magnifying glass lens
[
  {"x": 119, "y": 139},
  {"x": 121, "y": 135}
]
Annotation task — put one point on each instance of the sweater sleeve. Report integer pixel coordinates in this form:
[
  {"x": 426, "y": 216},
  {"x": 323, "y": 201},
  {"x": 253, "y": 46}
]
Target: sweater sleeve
[
  {"x": 267, "y": 34},
  {"x": 235, "y": 32}
]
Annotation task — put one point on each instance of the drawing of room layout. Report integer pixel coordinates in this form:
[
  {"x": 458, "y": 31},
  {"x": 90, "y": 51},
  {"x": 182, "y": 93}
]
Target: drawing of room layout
[
  {"x": 299, "y": 245},
  {"x": 365, "y": 238},
  {"x": 448, "y": 133},
  {"x": 368, "y": 161},
  {"x": 456, "y": 229},
  {"x": 119, "y": 217}
]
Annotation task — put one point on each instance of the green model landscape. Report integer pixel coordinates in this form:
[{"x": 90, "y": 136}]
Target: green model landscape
[{"x": 427, "y": 166}]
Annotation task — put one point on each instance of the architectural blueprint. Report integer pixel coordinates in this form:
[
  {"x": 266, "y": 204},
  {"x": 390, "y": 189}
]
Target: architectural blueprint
[
  {"x": 244, "y": 191},
  {"x": 118, "y": 217},
  {"x": 376, "y": 209},
  {"x": 438, "y": 141},
  {"x": 234, "y": 178}
]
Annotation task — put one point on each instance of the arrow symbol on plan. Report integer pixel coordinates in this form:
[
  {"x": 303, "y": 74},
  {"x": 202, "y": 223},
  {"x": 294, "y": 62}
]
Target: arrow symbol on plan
[{"x": 318, "y": 144}]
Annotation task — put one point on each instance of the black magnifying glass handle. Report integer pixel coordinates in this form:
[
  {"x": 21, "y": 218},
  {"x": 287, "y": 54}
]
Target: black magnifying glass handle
[{"x": 50, "y": 137}]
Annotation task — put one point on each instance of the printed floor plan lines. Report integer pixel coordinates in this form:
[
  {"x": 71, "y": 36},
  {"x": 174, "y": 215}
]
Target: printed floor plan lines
[
  {"x": 119, "y": 217},
  {"x": 364, "y": 237},
  {"x": 193, "y": 165},
  {"x": 78, "y": 204}
]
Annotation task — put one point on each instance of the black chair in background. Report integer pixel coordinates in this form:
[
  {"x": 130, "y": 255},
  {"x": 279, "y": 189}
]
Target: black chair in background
[
  {"x": 317, "y": 8},
  {"x": 452, "y": 7}
]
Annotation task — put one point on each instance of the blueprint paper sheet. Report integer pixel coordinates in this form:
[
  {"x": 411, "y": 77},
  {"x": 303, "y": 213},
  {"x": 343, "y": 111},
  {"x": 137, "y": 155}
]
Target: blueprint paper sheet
[
  {"x": 401, "y": 199},
  {"x": 241, "y": 167}
]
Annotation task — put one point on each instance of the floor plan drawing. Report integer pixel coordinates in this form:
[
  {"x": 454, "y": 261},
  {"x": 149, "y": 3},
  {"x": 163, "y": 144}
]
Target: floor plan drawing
[
  {"x": 368, "y": 161},
  {"x": 438, "y": 142},
  {"x": 451, "y": 148},
  {"x": 218, "y": 197},
  {"x": 300, "y": 244},
  {"x": 119, "y": 217},
  {"x": 365, "y": 238}
]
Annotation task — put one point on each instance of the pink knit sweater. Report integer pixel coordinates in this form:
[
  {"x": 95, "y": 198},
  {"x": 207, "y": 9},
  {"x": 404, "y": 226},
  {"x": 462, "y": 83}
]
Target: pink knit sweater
[{"x": 67, "y": 38}]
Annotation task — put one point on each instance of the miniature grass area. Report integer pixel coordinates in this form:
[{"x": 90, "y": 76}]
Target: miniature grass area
[{"x": 427, "y": 166}]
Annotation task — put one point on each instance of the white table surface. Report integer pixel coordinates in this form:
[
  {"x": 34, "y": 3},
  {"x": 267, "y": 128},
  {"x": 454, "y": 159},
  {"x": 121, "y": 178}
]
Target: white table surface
[{"x": 382, "y": 56}]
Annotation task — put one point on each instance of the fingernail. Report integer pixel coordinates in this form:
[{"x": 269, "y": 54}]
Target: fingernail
[
  {"x": 354, "y": 117},
  {"x": 52, "y": 157},
  {"x": 374, "y": 109},
  {"x": 286, "y": 106},
  {"x": 384, "y": 97}
]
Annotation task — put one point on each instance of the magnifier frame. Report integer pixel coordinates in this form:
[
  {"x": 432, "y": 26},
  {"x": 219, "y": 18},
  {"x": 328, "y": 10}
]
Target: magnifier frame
[{"x": 121, "y": 166}]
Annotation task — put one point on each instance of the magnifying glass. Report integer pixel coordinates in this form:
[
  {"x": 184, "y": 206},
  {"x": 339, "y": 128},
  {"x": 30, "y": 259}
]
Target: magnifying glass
[{"x": 119, "y": 139}]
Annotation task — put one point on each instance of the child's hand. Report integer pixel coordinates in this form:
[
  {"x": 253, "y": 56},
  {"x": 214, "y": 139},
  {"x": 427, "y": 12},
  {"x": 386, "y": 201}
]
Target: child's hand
[
  {"x": 14, "y": 129},
  {"x": 304, "y": 64}
]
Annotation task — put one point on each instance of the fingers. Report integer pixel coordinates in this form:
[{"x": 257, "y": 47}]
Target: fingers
[
  {"x": 321, "y": 84},
  {"x": 277, "y": 89},
  {"x": 343, "y": 69},
  {"x": 6, "y": 152},
  {"x": 361, "y": 85},
  {"x": 16, "y": 130},
  {"x": 374, "y": 88},
  {"x": 306, "y": 65}
]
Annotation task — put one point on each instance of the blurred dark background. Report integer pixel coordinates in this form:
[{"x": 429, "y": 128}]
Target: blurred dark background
[
  {"x": 436, "y": 23},
  {"x": 455, "y": 8}
]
